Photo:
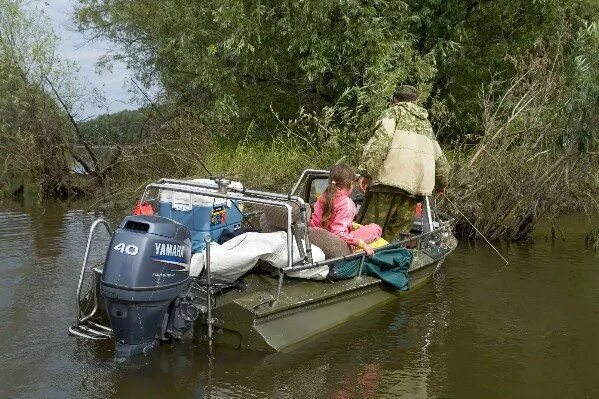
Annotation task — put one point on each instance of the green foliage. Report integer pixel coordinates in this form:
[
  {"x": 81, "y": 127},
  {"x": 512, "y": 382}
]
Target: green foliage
[
  {"x": 32, "y": 138},
  {"x": 306, "y": 80},
  {"x": 124, "y": 127},
  {"x": 584, "y": 82},
  {"x": 270, "y": 165},
  {"x": 233, "y": 59},
  {"x": 476, "y": 43}
]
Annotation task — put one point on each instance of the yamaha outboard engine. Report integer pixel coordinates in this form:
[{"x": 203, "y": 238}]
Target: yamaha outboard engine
[{"x": 146, "y": 275}]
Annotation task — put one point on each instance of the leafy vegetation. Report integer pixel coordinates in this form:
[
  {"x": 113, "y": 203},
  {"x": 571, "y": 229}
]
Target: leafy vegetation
[
  {"x": 259, "y": 89},
  {"x": 32, "y": 140},
  {"x": 124, "y": 127},
  {"x": 511, "y": 84},
  {"x": 234, "y": 59}
]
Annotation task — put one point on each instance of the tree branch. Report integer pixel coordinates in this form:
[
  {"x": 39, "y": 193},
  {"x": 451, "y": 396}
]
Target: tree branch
[{"x": 80, "y": 136}]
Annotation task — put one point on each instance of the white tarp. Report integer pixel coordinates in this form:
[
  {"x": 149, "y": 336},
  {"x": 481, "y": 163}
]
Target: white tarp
[{"x": 238, "y": 255}]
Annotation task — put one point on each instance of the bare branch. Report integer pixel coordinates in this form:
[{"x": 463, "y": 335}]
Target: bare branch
[{"x": 80, "y": 135}]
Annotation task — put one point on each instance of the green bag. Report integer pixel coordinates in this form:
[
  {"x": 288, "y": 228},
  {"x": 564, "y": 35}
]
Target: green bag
[{"x": 390, "y": 265}]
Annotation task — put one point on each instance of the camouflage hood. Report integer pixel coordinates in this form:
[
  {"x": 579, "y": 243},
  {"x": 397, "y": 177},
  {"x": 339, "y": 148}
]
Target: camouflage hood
[
  {"x": 413, "y": 117},
  {"x": 414, "y": 109},
  {"x": 404, "y": 153}
]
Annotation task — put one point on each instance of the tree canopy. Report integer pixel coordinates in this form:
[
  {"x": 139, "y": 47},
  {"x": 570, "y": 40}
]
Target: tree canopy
[
  {"x": 32, "y": 135},
  {"x": 123, "y": 127},
  {"x": 233, "y": 59}
]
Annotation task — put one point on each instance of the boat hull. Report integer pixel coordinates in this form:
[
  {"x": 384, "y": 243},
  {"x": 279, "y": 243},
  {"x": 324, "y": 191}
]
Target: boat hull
[
  {"x": 306, "y": 308},
  {"x": 251, "y": 319}
]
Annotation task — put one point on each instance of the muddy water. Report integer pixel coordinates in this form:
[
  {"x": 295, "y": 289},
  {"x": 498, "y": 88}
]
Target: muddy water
[{"x": 479, "y": 329}]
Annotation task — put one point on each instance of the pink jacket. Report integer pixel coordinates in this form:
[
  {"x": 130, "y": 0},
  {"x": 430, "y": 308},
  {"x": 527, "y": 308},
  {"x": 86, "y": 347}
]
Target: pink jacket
[{"x": 340, "y": 223}]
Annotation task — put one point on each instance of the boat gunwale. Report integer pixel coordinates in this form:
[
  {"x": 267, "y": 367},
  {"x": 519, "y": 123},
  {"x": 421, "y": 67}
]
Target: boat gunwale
[{"x": 265, "y": 309}]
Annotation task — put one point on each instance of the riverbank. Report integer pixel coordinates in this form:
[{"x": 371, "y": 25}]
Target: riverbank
[{"x": 274, "y": 165}]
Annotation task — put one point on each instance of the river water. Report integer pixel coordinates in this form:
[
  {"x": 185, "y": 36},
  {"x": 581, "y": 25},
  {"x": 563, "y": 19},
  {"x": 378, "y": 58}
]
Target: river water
[{"x": 479, "y": 329}]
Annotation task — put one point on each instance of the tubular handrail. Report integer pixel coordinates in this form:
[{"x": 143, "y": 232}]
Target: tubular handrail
[
  {"x": 209, "y": 320},
  {"x": 240, "y": 197},
  {"x": 303, "y": 176},
  {"x": 258, "y": 193},
  {"x": 281, "y": 200},
  {"x": 255, "y": 194},
  {"x": 81, "y": 319},
  {"x": 86, "y": 328},
  {"x": 394, "y": 244}
]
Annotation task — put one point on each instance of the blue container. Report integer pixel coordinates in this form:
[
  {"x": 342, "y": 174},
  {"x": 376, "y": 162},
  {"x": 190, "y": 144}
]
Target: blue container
[{"x": 200, "y": 216}]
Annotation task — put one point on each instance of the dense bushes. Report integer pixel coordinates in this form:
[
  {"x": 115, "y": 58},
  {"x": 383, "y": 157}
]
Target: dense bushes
[
  {"x": 232, "y": 60},
  {"x": 260, "y": 89},
  {"x": 33, "y": 143},
  {"x": 510, "y": 84}
]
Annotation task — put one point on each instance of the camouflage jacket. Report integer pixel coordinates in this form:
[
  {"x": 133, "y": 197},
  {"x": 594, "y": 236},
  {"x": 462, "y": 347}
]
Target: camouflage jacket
[{"x": 404, "y": 153}]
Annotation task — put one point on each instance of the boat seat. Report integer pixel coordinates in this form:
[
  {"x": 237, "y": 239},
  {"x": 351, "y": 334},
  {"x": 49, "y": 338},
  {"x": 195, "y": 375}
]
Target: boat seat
[
  {"x": 332, "y": 245},
  {"x": 275, "y": 219}
]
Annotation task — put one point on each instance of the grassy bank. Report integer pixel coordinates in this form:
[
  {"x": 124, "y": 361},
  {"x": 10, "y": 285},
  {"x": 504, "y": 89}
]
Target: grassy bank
[
  {"x": 480, "y": 191},
  {"x": 274, "y": 165}
]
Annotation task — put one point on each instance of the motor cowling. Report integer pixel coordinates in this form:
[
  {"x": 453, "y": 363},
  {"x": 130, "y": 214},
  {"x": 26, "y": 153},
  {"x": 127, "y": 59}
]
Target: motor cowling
[{"x": 145, "y": 274}]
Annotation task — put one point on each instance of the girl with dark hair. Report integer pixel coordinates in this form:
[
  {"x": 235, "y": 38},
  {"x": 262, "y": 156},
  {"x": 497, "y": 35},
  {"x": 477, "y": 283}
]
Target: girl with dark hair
[{"x": 335, "y": 211}]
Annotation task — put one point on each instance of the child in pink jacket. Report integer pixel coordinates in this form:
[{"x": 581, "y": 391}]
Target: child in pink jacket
[{"x": 335, "y": 212}]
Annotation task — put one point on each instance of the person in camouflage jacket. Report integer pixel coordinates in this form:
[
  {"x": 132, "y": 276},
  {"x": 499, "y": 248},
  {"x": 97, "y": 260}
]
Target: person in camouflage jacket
[{"x": 401, "y": 163}]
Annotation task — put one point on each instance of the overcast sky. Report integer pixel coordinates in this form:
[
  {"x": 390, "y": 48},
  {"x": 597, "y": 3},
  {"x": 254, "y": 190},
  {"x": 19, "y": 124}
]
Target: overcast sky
[{"x": 74, "y": 47}]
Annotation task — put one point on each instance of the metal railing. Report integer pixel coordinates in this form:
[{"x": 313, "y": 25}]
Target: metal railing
[
  {"x": 208, "y": 191},
  {"x": 354, "y": 256},
  {"x": 84, "y": 327},
  {"x": 223, "y": 191},
  {"x": 223, "y": 187},
  {"x": 303, "y": 176}
]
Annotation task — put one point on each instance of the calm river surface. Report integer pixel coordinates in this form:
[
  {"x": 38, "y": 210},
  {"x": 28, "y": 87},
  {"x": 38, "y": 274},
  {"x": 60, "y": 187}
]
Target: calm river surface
[{"x": 478, "y": 330}]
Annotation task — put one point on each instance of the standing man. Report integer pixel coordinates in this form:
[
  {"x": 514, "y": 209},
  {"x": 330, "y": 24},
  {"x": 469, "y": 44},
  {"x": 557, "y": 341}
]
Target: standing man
[{"x": 401, "y": 162}]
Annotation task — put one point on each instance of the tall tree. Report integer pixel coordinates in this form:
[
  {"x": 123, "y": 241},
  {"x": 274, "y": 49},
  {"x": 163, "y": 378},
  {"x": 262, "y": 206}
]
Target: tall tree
[
  {"x": 236, "y": 58},
  {"x": 31, "y": 125}
]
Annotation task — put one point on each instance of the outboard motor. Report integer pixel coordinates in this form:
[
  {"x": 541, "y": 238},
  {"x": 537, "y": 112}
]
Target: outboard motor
[{"x": 146, "y": 275}]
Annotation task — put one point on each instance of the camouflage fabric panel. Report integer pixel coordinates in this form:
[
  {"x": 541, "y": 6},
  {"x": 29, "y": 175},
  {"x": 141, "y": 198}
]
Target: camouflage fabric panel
[
  {"x": 412, "y": 117},
  {"x": 394, "y": 212},
  {"x": 375, "y": 151},
  {"x": 404, "y": 116}
]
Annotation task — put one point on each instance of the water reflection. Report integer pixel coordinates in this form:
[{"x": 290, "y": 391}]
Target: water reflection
[
  {"x": 48, "y": 230},
  {"x": 355, "y": 361}
]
